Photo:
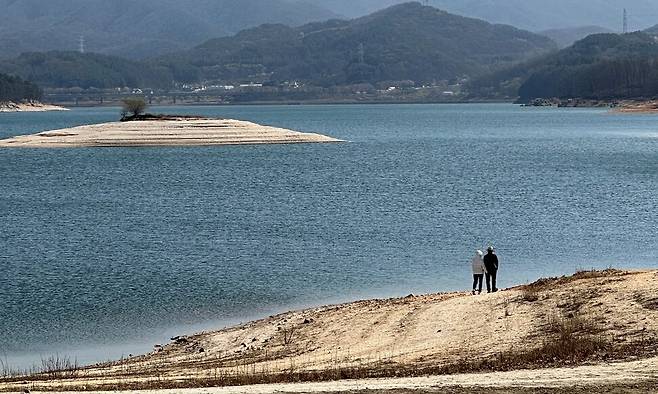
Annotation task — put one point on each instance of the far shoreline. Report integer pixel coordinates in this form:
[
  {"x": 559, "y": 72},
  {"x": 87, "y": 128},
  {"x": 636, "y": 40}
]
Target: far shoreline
[
  {"x": 615, "y": 106},
  {"x": 287, "y": 103},
  {"x": 31, "y": 106}
]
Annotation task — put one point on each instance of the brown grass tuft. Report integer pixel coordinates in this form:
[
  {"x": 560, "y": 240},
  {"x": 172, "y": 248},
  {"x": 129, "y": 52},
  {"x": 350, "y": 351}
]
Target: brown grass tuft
[
  {"x": 530, "y": 295},
  {"x": 650, "y": 303},
  {"x": 548, "y": 283}
]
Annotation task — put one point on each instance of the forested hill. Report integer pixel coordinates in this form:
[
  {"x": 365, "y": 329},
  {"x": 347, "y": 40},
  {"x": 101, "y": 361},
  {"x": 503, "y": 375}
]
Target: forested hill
[
  {"x": 533, "y": 15},
  {"x": 653, "y": 31},
  {"x": 407, "y": 42},
  {"x": 73, "y": 69},
  {"x": 601, "y": 66},
  {"x": 568, "y": 36},
  {"x": 137, "y": 29},
  {"x": 404, "y": 42},
  {"x": 15, "y": 89}
]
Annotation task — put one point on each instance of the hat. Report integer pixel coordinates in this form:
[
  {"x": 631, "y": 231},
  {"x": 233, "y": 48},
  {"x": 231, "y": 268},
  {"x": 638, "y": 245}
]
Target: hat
[
  {"x": 490, "y": 249},
  {"x": 479, "y": 252}
]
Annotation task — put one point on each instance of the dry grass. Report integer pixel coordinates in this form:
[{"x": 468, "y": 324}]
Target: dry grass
[
  {"x": 623, "y": 388},
  {"x": 59, "y": 367},
  {"x": 565, "y": 342},
  {"x": 548, "y": 283},
  {"x": 568, "y": 349},
  {"x": 650, "y": 303},
  {"x": 288, "y": 335},
  {"x": 530, "y": 294}
]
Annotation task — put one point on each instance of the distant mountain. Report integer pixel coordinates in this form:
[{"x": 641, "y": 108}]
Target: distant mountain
[
  {"x": 533, "y": 15},
  {"x": 404, "y": 42},
  {"x": 601, "y": 66},
  {"x": 567, "y": 36},
  {"x": 89, "y": 70},
  {"x": 15, "y": 89},
  {"x": 137, "y": 29},
  {"x": 145, "y": 28},
  {"x": 407, "y": 42},
  {"x": 653, "y": 31}
]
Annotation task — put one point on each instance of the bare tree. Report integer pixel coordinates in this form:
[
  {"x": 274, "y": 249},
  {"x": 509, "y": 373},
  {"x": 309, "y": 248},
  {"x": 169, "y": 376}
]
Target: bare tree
[
  {"x": 288, "y": 335},
  {"x": 134, "y": 106}
]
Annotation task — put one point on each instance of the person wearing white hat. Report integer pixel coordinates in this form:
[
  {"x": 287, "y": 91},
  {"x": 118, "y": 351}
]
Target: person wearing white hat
[{"x": 478, "y": 272}]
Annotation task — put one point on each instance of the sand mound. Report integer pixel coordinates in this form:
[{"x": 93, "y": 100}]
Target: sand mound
[{"x": 183, "y": 131}]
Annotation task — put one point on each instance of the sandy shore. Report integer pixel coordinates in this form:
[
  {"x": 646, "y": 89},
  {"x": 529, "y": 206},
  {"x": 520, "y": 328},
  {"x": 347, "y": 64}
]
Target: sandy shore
[
  {"x": 29, "y": 107},
  {"x": 637, "y": 107},
  {"x": 169, "y": 132},
  {"x": 595, "y": 328}
]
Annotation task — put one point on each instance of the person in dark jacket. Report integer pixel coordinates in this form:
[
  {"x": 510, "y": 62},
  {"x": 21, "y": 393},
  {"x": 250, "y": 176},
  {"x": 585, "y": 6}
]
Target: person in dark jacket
[{"x": 491, "y": 267}]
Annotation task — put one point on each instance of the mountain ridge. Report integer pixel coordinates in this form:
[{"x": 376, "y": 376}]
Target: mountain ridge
[
  {"x": 566, "y": 37},
  {"x": 404, "y": 42},
  {"x": 533, "y": 15},
  {"x": 407, "y": 42},
  {"x": 136, "y": 30}
]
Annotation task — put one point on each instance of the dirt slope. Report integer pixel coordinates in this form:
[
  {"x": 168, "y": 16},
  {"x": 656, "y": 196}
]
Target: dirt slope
[{"x": 589, "y": 319}]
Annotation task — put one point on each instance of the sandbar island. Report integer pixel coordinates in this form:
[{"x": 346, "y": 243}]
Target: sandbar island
[{"x": 165, "y": 131}]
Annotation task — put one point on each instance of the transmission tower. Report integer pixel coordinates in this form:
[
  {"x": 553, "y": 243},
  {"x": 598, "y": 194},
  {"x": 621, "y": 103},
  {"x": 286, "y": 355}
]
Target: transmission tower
[
  {"x": 625, "y": 26},
  {"x": 362, "y": 54},
  {"x": 81, "y": 43}
]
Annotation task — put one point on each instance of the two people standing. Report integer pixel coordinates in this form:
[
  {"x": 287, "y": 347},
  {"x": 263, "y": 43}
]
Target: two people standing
[{"x": 485, "y": 265}]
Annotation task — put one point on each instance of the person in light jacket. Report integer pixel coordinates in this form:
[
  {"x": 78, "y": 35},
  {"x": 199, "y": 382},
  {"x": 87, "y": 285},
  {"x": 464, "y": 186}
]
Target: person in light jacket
[{"x": 478, "y": 271}]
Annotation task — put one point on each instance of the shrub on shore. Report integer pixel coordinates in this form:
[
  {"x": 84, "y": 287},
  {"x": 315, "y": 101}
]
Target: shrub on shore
[{"x": 133, "y": 107}]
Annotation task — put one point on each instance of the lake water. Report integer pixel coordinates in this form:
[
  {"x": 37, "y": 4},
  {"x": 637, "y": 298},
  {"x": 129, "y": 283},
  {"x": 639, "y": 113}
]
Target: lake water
[{"x": 105, "y": 252}]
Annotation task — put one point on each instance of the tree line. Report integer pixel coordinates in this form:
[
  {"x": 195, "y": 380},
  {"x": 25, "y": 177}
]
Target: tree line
[
  {"x": 16, "y": 89},
  {"x": 599, "y": 67}
]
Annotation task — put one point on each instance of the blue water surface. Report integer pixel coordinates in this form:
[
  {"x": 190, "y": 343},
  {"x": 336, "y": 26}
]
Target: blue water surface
[{"x": 104, "y": 252}]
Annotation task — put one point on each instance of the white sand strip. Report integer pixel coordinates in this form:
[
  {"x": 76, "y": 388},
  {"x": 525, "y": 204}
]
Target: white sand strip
[{"x": 29, "y": 107}]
